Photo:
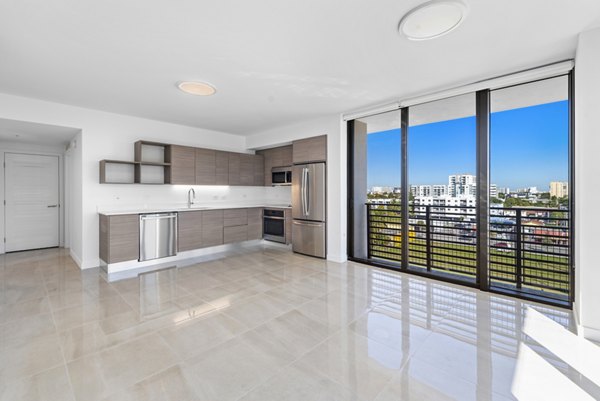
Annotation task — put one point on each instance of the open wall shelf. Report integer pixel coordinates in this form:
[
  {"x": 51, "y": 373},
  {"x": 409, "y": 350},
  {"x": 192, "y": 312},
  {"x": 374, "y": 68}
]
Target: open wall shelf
[
  {"x": 117, "y": 172},
  {"x": 151, "y": 165}
]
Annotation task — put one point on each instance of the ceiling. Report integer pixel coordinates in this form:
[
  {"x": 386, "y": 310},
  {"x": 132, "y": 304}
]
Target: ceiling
[
  {"x": 273, "y": 62},
  {"x": 41, "y": 134}
]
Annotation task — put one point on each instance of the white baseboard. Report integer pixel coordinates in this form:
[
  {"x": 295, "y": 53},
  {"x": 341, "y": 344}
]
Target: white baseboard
[
  {"x": 75, "y": 258},
  {"x": 590, "y": 333}
]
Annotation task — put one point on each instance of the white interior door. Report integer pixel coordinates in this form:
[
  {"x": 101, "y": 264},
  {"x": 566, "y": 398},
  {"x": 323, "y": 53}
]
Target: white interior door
[{"x": 31, "y": 188}]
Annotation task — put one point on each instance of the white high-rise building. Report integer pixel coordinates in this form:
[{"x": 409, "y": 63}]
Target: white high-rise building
[
  {"x": 493, "y": 190},
  {"x": 462, "y": 185},
  {"x": 439, "y": 190},
  {"x": 420, "y": 190}
]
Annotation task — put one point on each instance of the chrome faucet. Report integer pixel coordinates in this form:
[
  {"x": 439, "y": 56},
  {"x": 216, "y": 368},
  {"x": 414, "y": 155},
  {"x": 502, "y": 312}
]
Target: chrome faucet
[{"x": 191, "y": 197}]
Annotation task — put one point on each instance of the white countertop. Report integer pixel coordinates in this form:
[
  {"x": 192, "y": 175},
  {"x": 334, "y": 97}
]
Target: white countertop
[{"x": 184, "y": 208}]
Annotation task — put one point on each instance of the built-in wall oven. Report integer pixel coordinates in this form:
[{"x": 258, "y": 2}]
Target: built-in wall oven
[
  {"x": 281, "y": 176},
  {"x": 274, "y": 225}
]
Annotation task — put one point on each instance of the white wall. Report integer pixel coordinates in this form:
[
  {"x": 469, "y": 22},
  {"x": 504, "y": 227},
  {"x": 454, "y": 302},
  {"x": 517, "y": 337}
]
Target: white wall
[
  {"x": 32, "y": 148},
  {"x": 336, "y": 171},
  {"x": 587, "y": 190},
  {"x": 74, "y": 197},
  {"x": 111, "y": 136}
]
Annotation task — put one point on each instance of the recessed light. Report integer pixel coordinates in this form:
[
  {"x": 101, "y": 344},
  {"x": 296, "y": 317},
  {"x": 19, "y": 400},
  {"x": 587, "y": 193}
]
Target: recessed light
[
  {"x": 432, "y": 19},
  {"x": 197, "y": 88}
]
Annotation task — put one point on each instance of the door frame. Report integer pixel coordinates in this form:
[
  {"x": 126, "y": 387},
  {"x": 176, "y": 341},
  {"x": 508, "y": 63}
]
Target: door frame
[{"x": 61, "y": 191}]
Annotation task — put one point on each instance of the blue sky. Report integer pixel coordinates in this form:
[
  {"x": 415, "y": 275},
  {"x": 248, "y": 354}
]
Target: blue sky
[{"x": 529, "y": 147}]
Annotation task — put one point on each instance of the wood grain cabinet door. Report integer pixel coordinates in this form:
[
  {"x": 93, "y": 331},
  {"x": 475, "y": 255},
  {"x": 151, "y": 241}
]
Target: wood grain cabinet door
[
  {"x": 206, "y": 167},
  {"x": 259, "y": 170},
  {"x": 235, "y": 217},
  {"x": 246, "y": 169},
  {"x": 123, "y": 238},
  {"x": 183, "y": 165},
  {"x": 212, "y": 228},
  {"x": 189, "y": 231},
  {"x": 310, "y": 149},
  {"x": 235, "y": 234},
  {"x": 234, "y": 169},
  {"x": 222, "y": 168},
  {"x": 255, "y": 220}
]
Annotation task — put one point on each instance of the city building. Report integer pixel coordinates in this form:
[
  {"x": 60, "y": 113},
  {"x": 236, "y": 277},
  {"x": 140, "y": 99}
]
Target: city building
[
  {"x": 493, "y": 190},
  {"x": 460, "y": 185},
  {"x": 559, "y": 189}
]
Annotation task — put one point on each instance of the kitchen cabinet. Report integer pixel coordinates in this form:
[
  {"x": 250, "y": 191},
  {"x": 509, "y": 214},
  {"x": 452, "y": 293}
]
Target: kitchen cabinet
[
  {"x": 221, "y": 168},
  {"x": 259, "y": 170},
  {"x": 246, "y": 169},
  {"x": 183, "y": 165},
  {"x": 234, "y": 169},
  {"x": 235, "y": 234},
  {"x": 206, "y": 166},
  {"x": 235, "y": 217},
  {"x": 119, "y": 238},
  {"x": 255, "y": 227},
  {"x": 275, "y": 157},
  {"x": 189, "y": 231},
  {"x": 310, "y": 150},
  {"x": 212, "y": 228},
  {"x": 160, "y": 163}
]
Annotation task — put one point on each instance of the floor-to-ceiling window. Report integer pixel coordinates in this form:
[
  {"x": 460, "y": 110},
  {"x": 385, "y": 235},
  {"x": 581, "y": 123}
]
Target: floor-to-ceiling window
[
  {"x": 529, "y": 203},
  {"x": 472, "y": 189},
  {"x": 375, "y": 206},
  {"x": 443, "y": 188}
]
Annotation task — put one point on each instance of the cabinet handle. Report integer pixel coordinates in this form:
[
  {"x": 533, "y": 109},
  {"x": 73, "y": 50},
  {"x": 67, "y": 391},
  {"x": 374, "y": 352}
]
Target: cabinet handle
[{"x": 52, "y": 205}]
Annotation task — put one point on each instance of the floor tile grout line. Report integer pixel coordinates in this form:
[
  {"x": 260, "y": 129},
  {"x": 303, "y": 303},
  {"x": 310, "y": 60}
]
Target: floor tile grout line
[{"x": 62, "y": 350}]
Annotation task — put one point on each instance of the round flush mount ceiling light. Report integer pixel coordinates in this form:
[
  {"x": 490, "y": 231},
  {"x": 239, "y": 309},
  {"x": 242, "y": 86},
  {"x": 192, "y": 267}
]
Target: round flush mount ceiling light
[
  {"x": 432, "y": 19},
  {"x": 197, "y": 88}
]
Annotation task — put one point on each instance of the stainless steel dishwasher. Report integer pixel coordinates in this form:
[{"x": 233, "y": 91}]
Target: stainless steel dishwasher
[{"x": 158, "y": 235}]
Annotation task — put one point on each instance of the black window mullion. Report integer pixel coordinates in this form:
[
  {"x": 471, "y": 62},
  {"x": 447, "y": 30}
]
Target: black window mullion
[{"x": 483, "y": 187}]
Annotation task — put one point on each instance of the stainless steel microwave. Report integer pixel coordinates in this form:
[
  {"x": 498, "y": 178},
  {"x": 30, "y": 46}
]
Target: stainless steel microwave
[{"x": 281, "y": 176}]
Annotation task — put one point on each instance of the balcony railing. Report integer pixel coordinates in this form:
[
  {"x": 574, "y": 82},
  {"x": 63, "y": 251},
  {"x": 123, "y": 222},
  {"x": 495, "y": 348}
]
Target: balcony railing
[{"x": 529, "y": 248}]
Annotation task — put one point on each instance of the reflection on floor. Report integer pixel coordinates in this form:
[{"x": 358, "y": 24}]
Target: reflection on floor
[{"x": 264, "y": 324}]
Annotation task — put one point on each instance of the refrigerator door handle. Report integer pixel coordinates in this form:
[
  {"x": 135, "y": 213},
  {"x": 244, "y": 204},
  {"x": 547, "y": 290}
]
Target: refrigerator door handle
[
  {"x": 304, "y": 191},
  {"x": 304, "y": 223},
  {"x": 307, "y": 191}
]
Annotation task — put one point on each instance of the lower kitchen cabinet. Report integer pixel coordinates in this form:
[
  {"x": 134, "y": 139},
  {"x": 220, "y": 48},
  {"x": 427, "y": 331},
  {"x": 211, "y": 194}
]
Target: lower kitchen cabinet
[
  {"x": 235, "y": 234},
  {"x": 119, "y": 237},
  {"x": 119, "y": 234},
  {"x": 212, "y": 228},
  {"x": 255, "y": 228},
  {"x": 189, "y": 231}
]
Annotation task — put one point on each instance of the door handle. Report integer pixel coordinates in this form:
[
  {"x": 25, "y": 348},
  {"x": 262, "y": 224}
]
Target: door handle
[{"x": 52, "y": 205}]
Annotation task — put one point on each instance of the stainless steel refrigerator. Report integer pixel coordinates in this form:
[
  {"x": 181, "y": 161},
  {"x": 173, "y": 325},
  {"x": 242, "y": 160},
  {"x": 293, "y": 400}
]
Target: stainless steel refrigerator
[{"x": 308, "y": 209}]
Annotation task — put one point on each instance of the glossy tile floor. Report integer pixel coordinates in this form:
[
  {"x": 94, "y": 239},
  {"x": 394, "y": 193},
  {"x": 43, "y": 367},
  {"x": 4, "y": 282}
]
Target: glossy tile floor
[{"x": 264, "y": 324}]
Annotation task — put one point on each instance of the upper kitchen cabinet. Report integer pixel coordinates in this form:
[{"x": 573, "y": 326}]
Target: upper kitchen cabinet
[
  {"x": 221, "y": 168},
  {"x": 259, "y": 170},
  {"x": 275, "y": 157},
  {"x": 183, "y": 165},
  {"x": 246, "y": 169},
  {"x": 206, "y": 167},
  {"x": 310, "y": 150},
  {"x": 234, "y": 169}
]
